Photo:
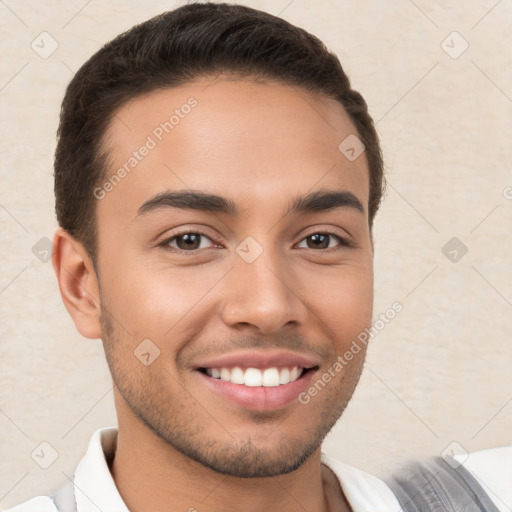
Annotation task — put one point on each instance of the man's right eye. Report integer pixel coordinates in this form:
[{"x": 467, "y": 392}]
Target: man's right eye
[{"x": 188, "y": 241}]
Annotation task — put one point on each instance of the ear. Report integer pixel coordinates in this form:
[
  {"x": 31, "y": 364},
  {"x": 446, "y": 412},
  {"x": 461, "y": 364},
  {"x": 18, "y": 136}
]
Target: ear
[{"x": 78, "y": 283}]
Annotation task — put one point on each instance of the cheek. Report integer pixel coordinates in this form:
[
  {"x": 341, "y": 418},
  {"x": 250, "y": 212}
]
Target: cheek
[
  {"x": 350, "y": 281},
  {"x": 345, "y": 304},
  {"x": 149, "y": 299}
]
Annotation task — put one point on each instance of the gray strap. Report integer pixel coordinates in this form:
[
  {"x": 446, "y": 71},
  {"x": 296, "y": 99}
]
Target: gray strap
[
  {"x": 64, "y": 498},
  {"x": 440, "y": 485}
]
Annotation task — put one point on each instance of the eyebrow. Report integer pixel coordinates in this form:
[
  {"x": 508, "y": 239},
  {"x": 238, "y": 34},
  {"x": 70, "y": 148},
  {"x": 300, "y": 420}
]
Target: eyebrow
[{"x": 318, "y": 201}]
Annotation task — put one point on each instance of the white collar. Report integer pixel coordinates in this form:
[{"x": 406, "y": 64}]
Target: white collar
[
  {"x": 94, "y": 485},
  {"x": 364, "y": 492}
]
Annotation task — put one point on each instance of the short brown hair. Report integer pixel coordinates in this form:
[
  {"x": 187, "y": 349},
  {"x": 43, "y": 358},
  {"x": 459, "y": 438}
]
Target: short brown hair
[{"x": 171, "y": 49}]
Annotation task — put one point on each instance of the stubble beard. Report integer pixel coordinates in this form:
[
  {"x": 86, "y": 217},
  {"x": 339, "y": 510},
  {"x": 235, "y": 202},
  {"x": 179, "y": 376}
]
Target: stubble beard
[{"x": 184, "y": 424}]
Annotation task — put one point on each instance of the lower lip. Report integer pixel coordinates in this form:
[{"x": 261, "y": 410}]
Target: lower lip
[{"x": 259, "y": 398}]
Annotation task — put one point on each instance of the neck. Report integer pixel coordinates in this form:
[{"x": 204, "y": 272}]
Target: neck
[{"x": 152, "y": 476}]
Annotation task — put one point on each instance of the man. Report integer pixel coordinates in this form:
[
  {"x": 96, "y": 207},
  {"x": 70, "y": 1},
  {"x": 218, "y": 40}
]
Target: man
[{"x": 216, "y": 183}]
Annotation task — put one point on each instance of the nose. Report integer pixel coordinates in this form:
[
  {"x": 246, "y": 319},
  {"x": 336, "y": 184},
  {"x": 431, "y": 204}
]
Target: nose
[{"x": 262, "y": 294}]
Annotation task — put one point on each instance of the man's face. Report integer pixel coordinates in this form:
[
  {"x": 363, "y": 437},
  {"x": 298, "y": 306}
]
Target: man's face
[{"x": 274, "y": 293}]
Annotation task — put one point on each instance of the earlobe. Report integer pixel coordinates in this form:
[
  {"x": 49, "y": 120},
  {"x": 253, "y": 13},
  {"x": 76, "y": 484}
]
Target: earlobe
[{"x": 78, "y": 283}]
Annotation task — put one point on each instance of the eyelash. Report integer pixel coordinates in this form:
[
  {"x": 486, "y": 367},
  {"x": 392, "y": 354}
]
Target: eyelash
[{"x": 343, "y": 242}]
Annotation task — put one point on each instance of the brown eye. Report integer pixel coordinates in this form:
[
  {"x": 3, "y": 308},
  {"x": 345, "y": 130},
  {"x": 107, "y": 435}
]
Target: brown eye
[
  {"x": 187, "y": 241},
  {"x": 318, "y": 241},
  {"x": 322, "y": 241}
]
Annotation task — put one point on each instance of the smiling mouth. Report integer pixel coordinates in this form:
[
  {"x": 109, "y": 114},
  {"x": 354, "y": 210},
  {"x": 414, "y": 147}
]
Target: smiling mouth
[{"x": 257, "y": 377}]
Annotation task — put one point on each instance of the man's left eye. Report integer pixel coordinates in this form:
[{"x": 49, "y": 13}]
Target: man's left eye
[{"x": 322, "y": 241}]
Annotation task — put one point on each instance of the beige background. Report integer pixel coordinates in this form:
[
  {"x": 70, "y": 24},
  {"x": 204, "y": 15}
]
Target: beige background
[{"x": 438, "y": 373}]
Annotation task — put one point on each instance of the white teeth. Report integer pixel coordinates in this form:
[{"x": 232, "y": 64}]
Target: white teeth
[
  {"x": 254, "y": 377},
  {"x": 237, "y": 376},
  {"x": 284, "y": 376},
  {"x": 271, "y": 377},
  {"x": 294, "y": 374}
]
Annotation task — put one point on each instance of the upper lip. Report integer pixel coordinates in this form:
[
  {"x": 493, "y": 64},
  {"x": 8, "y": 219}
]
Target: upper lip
[{"x": 260, "y": 359}]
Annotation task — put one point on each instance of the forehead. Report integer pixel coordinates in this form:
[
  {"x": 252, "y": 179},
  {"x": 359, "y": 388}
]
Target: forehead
[{"x": 230, "y": 137}]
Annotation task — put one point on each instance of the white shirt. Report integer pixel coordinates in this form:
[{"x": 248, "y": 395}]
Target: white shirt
[{"x": 95, "y": 489}]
